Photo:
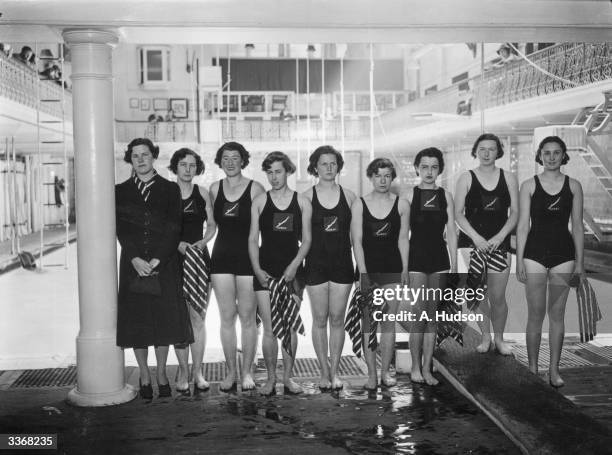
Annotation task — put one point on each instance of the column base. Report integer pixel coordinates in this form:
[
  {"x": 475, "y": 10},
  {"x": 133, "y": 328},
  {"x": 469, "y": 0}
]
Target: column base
[{"x": 76, "y": 398}]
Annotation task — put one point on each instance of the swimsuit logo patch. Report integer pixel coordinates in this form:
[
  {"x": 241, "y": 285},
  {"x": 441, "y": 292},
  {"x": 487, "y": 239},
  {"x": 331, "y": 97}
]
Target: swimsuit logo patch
[
  {"x": 282, "y": 222},
  {"x": 230, "y": 209},
  {"x": 189, "y": 207},
  {"x": 554, "y": 206},
  {"x": 331, "y": 224},
  {"x": 490, "y": 203},
  {"x": 429, "y": 201},
  {"x": 381, "y": 228}
]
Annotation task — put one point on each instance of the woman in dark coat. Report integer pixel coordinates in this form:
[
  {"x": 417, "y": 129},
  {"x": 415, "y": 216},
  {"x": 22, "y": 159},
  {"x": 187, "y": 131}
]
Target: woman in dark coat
[{"x": 148, "y": 227}]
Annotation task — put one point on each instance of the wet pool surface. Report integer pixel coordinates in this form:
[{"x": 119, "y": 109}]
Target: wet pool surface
[{"x": 406, "y": 419}]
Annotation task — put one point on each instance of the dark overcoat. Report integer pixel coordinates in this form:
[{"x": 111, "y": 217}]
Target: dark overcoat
[{"x": 150, "y": 230}]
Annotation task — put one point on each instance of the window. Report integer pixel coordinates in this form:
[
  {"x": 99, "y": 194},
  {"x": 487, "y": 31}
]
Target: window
[
  {"x": 154, "y": 65},
  {"x": 459, "y": 78},
  {"x": 432, "y": 89}
]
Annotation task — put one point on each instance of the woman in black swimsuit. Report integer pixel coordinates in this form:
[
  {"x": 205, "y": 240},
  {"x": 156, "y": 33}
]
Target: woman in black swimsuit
[
  {"x": 232, "y": 274},
  {"x": 547, "y": 255},
  {"x": 486, "y": 218},
  {"x": 329, "y": 264},
  {"x": 379, "y": 229},
  {"x": 196, "y": 211},
  {"x": 431, "y": 215},
  {"x": 285, "y": 240}
]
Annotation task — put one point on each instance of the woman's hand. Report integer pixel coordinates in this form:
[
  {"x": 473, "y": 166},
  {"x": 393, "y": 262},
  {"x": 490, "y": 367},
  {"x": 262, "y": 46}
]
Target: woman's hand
[
  {"x": 263, "y": 277},
  {"x": 154, "y": 263},
  {"x": 182, "y": 247},
  {"x": 494, "y": 243},
  {"x": 405, "y": 278},
  {"x": 577, "y": 275},
  {"x": 142, "y": 267},
  {"x": 290, "y": 272},
  {"x": 521, "y": 271},
  {"x": 480, "y": 243}
]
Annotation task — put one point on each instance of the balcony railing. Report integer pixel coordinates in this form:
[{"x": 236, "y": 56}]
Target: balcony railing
[
  {"x": 245, "y": 130},
  {"x": 19, "y": 83},
  {"x": 580, "y": 63}
]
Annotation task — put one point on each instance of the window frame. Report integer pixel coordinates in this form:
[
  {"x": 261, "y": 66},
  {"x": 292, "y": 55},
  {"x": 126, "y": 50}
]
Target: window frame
[{"x": 143, "y": 69}]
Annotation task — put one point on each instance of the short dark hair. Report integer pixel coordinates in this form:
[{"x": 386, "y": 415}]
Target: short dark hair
[
  {"x": 273, "y": 157},
  {"x": 548, "y": 140},
  {"x": 237, "y": 147},
  {"x": 127, "y": 157},
  {"x": 488, "y": 137},
  {"x": 182, "y": 153},
  {"x": 323, "y": 150},
  {"x": 380, "y": 163},
  {"x": 430, "y": 152}
]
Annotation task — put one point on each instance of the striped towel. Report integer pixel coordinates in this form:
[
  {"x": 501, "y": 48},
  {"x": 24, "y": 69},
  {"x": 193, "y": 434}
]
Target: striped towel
[
  {"x": 196, "y": 279},
  {"x": 285, "y": 311},
  {"x": 450, "y": 329},
  {"x": 588, "y": 311},
  {"x": 480, "y": 262},
  {"x": 359, "y": 304}
]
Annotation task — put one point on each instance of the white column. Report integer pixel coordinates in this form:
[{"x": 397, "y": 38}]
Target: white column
[{"x": 100, "y": 363}]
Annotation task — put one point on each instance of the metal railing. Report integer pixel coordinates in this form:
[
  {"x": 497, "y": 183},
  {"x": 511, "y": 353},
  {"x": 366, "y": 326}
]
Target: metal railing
[{"x": 19, "y": 83}]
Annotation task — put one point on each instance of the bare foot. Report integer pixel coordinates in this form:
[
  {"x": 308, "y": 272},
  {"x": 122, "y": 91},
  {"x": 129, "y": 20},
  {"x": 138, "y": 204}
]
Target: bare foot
[
  {"x": 387, "y": 380},
  {"x": 555, "y": 379},
  {"x": 337, "y": 384},
  {"x": 247, "y": 382},
  {"x": 182, "y": 383},
  {"x": 201, "y": 383},
  {"x": 162, "y": 378},
  {"x": 417, "y": 376},
  {"x": 324, "y": 383},
  {"x": 371, "y": 384},
  {"x": 429, "y": 379},
  {"x": 502, "y": 347},
  {"x": 229, "y": 381},
  {"x": 268, "y": 388},
  {"x": 292, "y": 387},
  {"x": 484, "y": 346}
]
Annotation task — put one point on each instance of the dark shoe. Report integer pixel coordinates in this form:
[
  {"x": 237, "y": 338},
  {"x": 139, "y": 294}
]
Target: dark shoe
[
  {"x": 146, "y": 391},
  {"x": 164, "y": 390},
  {"x": 184, "y": 392},
  {"x": 325, "y": 389},
  {"x": 272, "y": 392}
]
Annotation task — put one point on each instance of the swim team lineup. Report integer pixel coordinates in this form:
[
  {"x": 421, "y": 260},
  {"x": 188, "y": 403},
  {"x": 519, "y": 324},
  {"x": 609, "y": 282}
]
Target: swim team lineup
[{"x": 397, "y": 254}]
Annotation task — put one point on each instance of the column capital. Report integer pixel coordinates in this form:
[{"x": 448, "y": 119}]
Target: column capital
[{"x": 90, "y": 36}]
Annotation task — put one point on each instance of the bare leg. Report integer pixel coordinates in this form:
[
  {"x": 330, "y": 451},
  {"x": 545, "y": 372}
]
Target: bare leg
[
  {"x": 558, "y": 290},
  {"x": 484, "y": 325},
  {"x": 319, "y": 299},
  {"x": 387, "y": 344},
  {"x": 435, "y": 281},
  {"x": 535, "y": 292},
  {"x": 497, "y": 282},
  {"x": 197, "y": 349},
  {"x": 225, "y": 292},
  {"x": 338, "y": 299},
  {"x": 369, "y": 355},
  {"x": 247, "y": 310},
  {"x": 288, "y": 360},
  {"x": 269, "y": 343},
  {"x": 182, "y": 381},
  {"x": 161, "y": 356},
  {"x": 417, "y": 329},
  {"x": 143, "y": 367}
]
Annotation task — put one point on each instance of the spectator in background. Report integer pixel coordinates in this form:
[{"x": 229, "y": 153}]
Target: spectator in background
[
  {"x": 506, "y": 55},
  {"x": 26, "y": 56},
  {"x": 6, "y": 49}
]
